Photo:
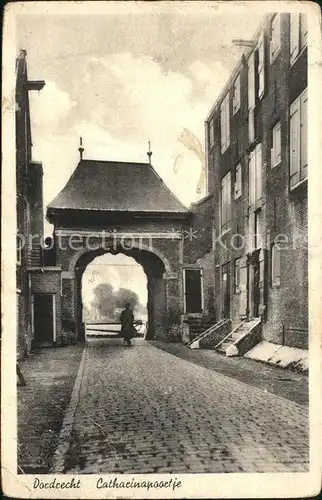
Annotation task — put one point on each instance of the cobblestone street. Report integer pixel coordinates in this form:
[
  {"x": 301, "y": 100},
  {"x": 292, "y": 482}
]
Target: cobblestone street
[{"x": 142, "y": 410}]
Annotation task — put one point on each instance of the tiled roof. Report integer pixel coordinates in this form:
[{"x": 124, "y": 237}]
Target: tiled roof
[{"x": 116, "y": 186}]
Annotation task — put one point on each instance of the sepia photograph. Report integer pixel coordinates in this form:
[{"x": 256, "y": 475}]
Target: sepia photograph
[{"x": 160, "y": 337}]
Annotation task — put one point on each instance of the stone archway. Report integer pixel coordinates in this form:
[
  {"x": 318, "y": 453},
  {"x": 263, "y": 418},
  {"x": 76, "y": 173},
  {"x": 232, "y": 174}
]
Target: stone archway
[{"x": 155, "y": 270}]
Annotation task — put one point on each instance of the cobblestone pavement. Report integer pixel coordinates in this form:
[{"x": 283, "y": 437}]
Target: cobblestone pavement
[
  {"x": 143, "y": 410},
  {"x": 282, "y": 382},
  {"x": 41, "y": 404}
]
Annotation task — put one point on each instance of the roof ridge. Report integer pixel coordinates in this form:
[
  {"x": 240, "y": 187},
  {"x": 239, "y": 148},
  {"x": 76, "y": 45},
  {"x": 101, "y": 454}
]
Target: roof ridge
[{"x": 114, "y": 161}]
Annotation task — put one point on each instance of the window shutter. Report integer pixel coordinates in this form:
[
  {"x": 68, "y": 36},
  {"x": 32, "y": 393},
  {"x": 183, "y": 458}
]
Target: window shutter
[
  {"x": 294, "y": 36},
  {"x": 304, "y": 126},
  {"x": 227, "y": 113},
  {"x": 222, "y": 127},
  {"x": 243, "y": 287},
  {"x": 223, "y": 193},
  {"x": 251, "y": 177},
  {"x": 278, "y": 144},
  {"x": 295, "y": 132},
  {"x": 258, "y": 167},
  {"x": 228, "y": 195}
]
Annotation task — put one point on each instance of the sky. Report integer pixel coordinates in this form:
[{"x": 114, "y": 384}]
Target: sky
[{"x": 120, "y": 80}]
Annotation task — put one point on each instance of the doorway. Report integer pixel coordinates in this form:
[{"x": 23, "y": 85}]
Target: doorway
[{"x": 44, "y": 318}]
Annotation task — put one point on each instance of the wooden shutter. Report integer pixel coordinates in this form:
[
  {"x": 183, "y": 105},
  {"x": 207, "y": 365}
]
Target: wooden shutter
[
  {"x": 223, "y": 126},
  {"x": 228, "y": 194},
  {"x": 304, "y": 127},
  {"x": 243, "y": 286},
  {"x": 258, "y": 173},
  {"x": 295, "y": 133},
  {"x": 278, "y": 143},
  {"x": 227, "y": 112},
  {"x": 294, "y": 36},
  {"x": 251, "y": 179}
]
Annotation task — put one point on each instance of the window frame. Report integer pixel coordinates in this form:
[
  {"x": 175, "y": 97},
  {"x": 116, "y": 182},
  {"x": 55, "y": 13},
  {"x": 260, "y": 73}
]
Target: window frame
[
  {"x": 211, "y": 133},
  {"x": 276, "y": 159},
  {"x": 275, "y": 278},
  {"x": 236, "y": 101},
  {"x": 261, "y": 66},
  {"x": 225, "y": 189},
  {"x": 18, "y": 250},
  {"x": 255, "y": 180},
  {"x": 238, "y": 169},
  {"x": 275, "y": 27},
  {"x": 302, "y": 39},
  {"x": 225, "y": 124}
]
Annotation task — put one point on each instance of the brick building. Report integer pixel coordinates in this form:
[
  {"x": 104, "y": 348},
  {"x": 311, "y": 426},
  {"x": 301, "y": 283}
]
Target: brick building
[
  {"x": 36, "y": 284},
  {"x": 257, "y": 172}
]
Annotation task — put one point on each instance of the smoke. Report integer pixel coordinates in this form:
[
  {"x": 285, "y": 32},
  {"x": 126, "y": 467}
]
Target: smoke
[{"x": 108, "y": 302}]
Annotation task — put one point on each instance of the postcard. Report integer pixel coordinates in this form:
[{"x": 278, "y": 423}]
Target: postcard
[{"x": 161, "y": 245}]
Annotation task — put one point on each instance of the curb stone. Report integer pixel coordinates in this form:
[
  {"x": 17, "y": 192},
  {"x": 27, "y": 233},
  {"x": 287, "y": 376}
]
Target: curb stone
[{"x": 67, "y": 426}]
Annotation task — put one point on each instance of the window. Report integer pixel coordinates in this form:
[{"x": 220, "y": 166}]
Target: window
[
  {"x": 19, "y": 250},
  {"x": 238, "y": 182},
  {"x": 251, "y": 125},
  {"x": 276, "y": 265},
  {"x": 225, "y": 201},
  {"x": 236, "y": 276},
  {"x": 255, "y": 178},
  {"x": 261, "y": 67},
  {"x": 251, "y": 82},
  {"x": 298, "y": 35},
  {"x": 276, "y": 145},
  {"x": 211, "y": 133},
  {"x": 193, "y": 291},
  {"x": 298, "y": 140},
  {"x": 236, "y": 95},
  {"x": 275, "y": 36},
  {"x": 225, "y": 124}
]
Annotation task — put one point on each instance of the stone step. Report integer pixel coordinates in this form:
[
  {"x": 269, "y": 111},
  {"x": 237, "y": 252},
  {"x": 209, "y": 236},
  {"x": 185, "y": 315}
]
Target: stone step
[{"x": 224, "y": 346}]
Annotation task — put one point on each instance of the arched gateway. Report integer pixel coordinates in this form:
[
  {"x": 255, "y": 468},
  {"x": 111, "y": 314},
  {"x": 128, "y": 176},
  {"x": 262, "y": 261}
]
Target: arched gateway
[{"x": 119, "y": 207}]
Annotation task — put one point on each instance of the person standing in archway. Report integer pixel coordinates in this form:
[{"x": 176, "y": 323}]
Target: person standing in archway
[{"x": 127, "y": 322}]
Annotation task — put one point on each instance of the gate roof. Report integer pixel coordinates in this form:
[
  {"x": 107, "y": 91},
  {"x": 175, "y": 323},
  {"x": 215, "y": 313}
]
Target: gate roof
[{"x": 115, "y": 186}]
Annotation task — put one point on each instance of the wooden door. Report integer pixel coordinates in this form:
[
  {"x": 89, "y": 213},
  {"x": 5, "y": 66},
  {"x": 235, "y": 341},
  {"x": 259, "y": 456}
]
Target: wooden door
[{"x": 43, "y": 318}]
